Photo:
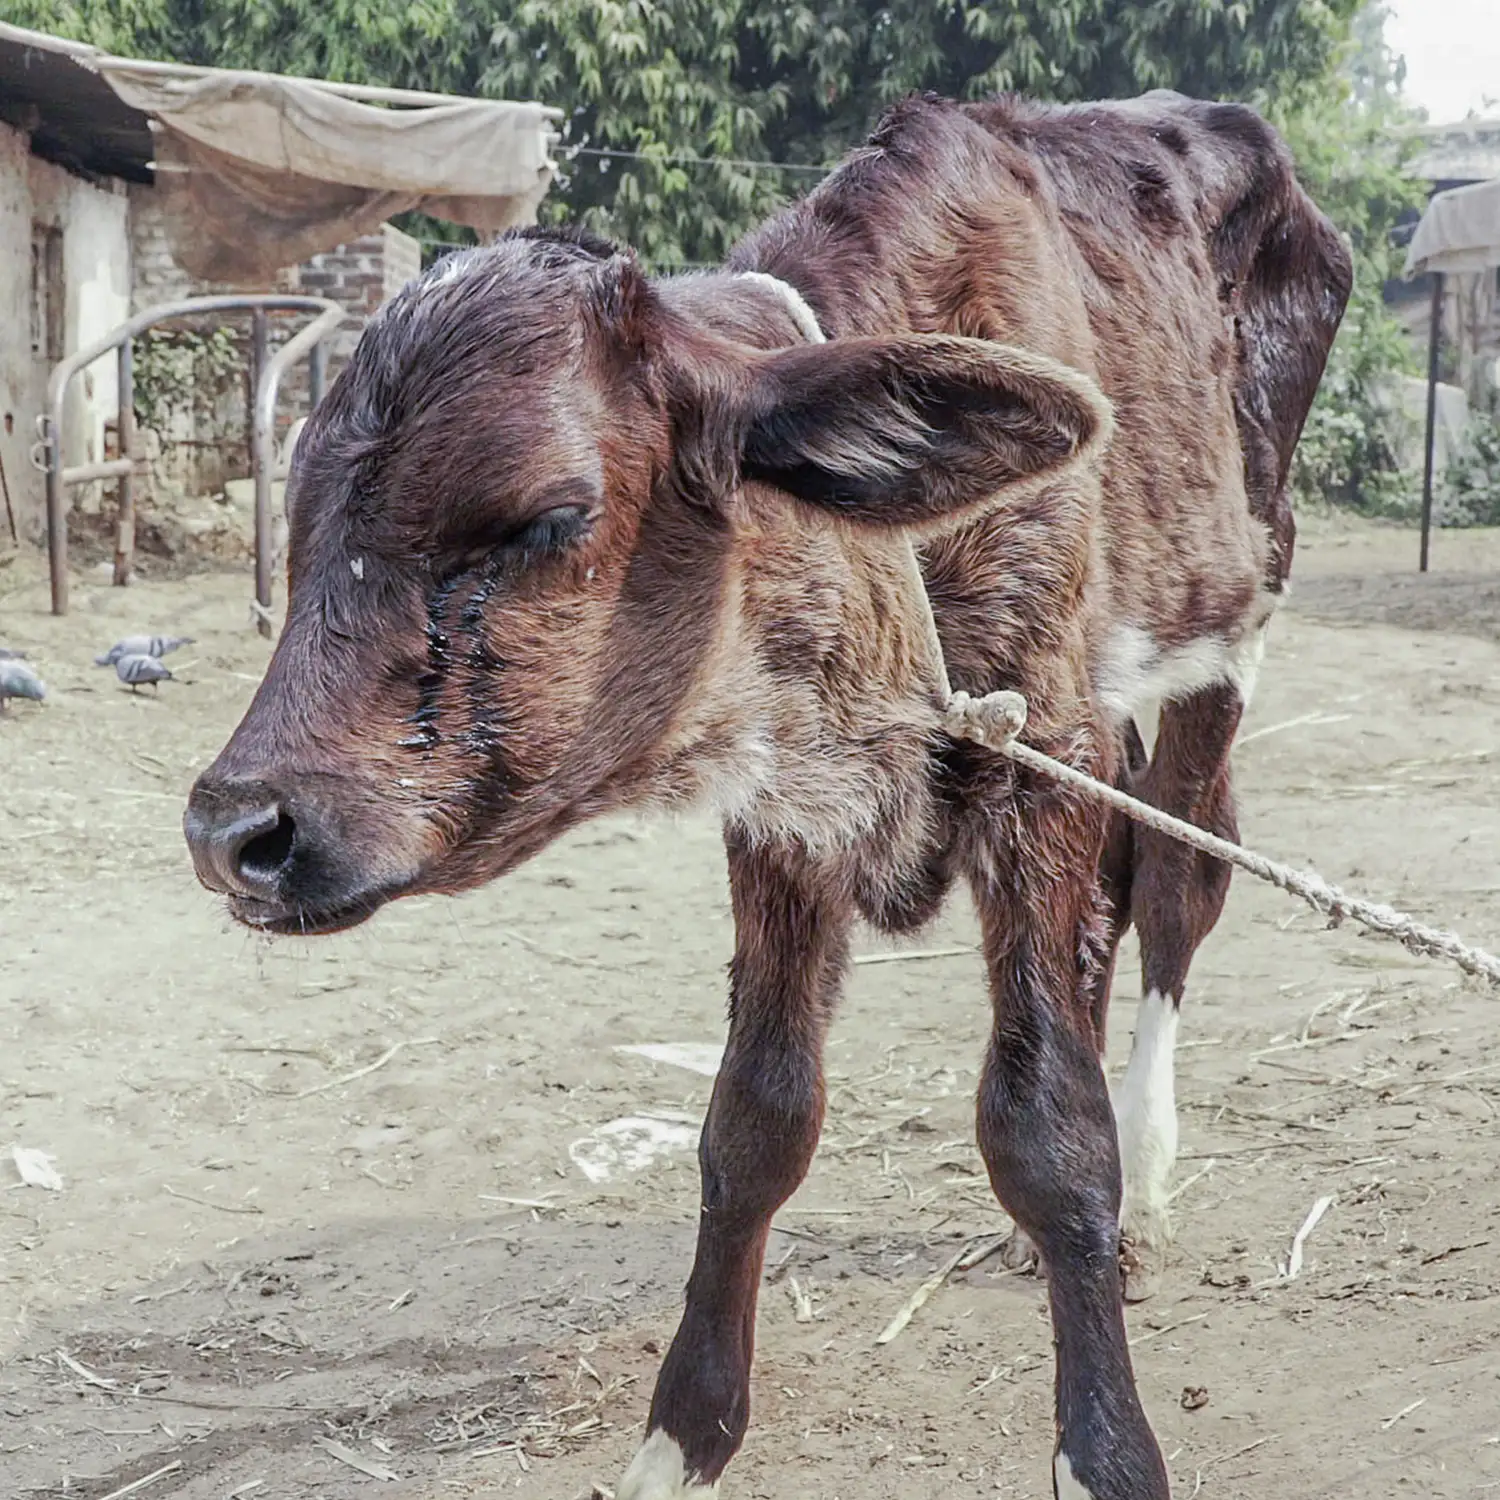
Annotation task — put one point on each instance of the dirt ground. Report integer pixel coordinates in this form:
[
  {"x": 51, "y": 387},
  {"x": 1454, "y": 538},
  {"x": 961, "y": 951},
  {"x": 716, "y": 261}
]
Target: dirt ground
[{"x": 336, "y": 1190}]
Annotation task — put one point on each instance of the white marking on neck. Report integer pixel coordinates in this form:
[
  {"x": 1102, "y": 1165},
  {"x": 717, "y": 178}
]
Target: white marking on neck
[
  {"x": 802, "y": 315},
  {"x": 1064, "y": 1484},
  {"x": 1134, "y": 674},
  {"x": 659, "y": 1472},
  {"x": 1146, "y": 1118}
]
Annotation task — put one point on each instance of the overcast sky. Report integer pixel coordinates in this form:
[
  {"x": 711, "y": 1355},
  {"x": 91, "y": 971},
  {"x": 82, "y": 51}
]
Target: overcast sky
[{"x": 1452, "y": 51}]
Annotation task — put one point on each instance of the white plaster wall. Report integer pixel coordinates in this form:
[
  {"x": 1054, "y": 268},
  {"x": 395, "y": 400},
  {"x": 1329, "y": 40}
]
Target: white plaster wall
[
  {"x": 17, "y": 398},
  {"x": 96, "y": 272}
]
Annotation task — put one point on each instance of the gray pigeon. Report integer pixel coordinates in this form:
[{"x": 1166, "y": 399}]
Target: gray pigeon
[
  {"x": 142, "y": 667},
  {"x": 142, "y": 645},
  {"x": 17, "y": 680}
]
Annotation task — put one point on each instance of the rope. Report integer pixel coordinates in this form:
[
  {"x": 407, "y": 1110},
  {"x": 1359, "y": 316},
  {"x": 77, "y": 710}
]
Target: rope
[{"x": 995, "y": 720}]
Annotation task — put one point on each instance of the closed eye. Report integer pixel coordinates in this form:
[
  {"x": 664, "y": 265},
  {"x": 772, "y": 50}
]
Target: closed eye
[{"x": 546, "y": 535}]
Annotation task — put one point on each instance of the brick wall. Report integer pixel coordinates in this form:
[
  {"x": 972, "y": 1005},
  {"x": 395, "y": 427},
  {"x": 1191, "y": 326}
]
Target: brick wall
[
  {"x": 403, "y": 260},
  {"x": 156, "y": 276},
  {"x": 202, "y": 451},
  {"x": 360, "y": 276}
]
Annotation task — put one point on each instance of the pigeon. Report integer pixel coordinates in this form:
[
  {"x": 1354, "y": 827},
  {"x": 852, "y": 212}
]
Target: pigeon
[
  {"x": 142, "y": 667},
  {"x": 7, "y": 654},
  {"x": 142, "y": 645},
  {"x": 17, "y": 680}
]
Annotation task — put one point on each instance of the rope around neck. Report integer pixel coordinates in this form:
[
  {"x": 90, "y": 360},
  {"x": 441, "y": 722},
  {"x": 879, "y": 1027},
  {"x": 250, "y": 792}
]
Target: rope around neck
[{"x": 996, "y": 719}]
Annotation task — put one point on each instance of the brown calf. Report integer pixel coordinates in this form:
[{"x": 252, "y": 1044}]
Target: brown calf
[{"x": 565, "y": 539}]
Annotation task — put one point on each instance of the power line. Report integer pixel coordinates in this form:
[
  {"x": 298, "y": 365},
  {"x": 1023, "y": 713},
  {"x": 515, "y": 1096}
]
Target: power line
[{"x": 681, "y": 159}]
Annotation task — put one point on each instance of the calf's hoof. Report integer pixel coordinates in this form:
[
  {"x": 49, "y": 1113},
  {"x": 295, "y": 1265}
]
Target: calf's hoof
[
  {"x": 1143, "y": 1264},
  {"x": 1017, "y": 1253},
  {"x": 659, "y": 1472}
]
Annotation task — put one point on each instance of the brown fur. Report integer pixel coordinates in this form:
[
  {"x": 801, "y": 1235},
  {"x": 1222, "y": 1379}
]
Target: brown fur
[{"x": 565, "y": 540}]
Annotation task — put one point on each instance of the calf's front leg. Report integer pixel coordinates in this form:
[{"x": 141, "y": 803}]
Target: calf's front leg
[
  {"x": 792, "y": 920},
  {"x": 1047, "y": 1135}
]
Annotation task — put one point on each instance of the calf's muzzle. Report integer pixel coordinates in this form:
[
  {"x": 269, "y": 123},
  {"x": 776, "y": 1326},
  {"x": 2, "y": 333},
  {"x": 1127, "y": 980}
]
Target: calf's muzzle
[{"x": 285, "y": 851}]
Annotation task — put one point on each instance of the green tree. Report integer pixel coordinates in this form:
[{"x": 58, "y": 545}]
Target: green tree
[
  {"x": 1353, "y": 157},
  {"x": 674, "y": 108},
  {"x": 840, "y": 65},
  {"x": 667, "y": 100}
]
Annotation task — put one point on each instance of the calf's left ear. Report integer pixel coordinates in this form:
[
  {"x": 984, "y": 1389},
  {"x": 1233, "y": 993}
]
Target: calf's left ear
[{"x": 916, "y": 431}]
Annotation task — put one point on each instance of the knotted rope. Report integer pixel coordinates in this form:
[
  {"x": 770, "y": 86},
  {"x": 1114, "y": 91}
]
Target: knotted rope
[{"x": 996, "y": 719}]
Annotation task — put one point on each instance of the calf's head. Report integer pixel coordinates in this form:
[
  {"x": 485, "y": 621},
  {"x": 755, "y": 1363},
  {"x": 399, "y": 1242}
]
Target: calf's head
[{"x": 514, "y": 552}]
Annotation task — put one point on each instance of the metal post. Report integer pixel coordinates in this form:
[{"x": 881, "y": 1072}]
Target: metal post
[
  {"x": 125, "y": 520},
  {"x": 1434, "y": 345},
  {"x": 260, "y": 343},
  {"x": 262, "y": 467},
  {"x": 57, "y": 518},
  {"x": 317, "y": 375}
]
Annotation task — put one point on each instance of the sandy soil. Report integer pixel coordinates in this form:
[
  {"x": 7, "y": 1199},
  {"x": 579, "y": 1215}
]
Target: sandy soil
[{"x": 332, "y": 1190}]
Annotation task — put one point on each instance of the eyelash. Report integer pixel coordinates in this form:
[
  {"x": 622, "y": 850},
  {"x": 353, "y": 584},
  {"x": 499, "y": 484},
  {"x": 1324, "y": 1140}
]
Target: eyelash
[{"x": 547, "y": 535}]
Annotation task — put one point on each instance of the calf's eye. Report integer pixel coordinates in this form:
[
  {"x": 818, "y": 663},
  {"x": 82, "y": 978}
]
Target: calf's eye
[
  {"x": 544, "y": 535},
  {"x": 551, "y": 531}
]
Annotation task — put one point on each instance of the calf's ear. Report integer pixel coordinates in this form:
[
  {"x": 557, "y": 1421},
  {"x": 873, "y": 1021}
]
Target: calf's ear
[{"x": 917, "y": 431}]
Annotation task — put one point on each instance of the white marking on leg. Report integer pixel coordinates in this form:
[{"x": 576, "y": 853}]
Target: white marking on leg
[
  {"x": 1245, "y": 660},
  {"x": 659, "y": 1472},
  {"x": 1064, "y": 1484},
  {"x": 1146, "y": 1118},
  {"x": 1123, "y": 669},
  {"x": 1133, "y": 671}
]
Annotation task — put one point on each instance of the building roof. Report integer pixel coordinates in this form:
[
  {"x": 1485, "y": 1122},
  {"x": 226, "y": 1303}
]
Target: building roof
[
  {"x": 1460, "y": 231},
  {"x": 255, "y": 171},
  {"x": 1468, "y": 151},
  {"x": 73, "y": 116}
]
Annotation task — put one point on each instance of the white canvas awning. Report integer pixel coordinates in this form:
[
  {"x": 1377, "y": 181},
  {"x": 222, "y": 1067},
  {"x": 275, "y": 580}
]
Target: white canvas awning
[
  {"x": 258, "y": 171},
  {"x": 1460, "y": 231}
]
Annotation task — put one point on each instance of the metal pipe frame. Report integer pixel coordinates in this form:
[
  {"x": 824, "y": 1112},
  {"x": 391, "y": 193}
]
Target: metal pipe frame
[
  {"x": 263, "y": 439},
  {"x": 51, "y": 420},
  {"x": 109, "y": 468},
  {"x": 125, "y": 502}
]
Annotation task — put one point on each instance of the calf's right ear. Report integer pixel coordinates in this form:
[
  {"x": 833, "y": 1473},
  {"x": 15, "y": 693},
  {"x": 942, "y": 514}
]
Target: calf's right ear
[{"x": 918, "y": 431}]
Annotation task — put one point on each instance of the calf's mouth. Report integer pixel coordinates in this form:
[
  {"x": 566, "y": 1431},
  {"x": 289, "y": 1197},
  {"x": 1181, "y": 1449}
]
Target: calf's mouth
[{"x": 294, "y": 919}]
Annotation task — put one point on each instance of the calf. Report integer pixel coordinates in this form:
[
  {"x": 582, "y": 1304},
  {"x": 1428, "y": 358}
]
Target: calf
[{"x": 565, "y": 539}]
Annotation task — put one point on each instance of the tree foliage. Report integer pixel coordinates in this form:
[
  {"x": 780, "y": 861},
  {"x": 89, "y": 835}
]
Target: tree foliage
[
  {"x": 1352, "y": 155},
  {"x": 667, "y": 100},
  {"x": 688, "y": 120}
]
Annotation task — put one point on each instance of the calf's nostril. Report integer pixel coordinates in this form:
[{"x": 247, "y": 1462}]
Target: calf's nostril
[{"x": 262, "y": 858}]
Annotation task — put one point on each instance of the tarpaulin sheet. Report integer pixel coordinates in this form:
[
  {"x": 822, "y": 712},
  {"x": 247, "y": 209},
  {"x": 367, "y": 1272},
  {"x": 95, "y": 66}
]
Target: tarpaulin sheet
[
  {"x": 1460, "y": 231},
  {"x": 259, "y": 171}
]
